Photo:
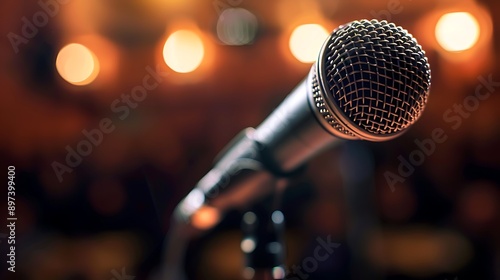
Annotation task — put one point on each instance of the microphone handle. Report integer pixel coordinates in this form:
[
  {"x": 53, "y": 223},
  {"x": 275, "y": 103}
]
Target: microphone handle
[
  {"x": 293, "y": 134},
  {"x": 238, "y": 178},
  {"x": 254, "y": 159}
]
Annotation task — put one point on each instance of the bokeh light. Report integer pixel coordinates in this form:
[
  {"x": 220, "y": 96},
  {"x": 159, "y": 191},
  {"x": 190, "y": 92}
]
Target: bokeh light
[
  {"x": 279, "y": 272},
  {"x": 183, "y": 51},
  {"x": 77, "y": 64},
  {"x": 457, "y": 32},
  {"x": 248, "y": 245},
  {"x": 306, "y": 41},
  {"x": 237, "y": 27},
  {"x": 248, "y": 273},
  {"x": 205, "y": 218}
]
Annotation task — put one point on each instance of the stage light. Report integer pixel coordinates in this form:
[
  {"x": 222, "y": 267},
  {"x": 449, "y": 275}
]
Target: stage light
[
  {"x": 183, "y": 51},
  {"x": 237, "y": 27},
  {"x": 306, "y": 41},
  {"x": 249, "y": 218},
  {"x": 457, "y": 31},
  {"x": 248, "y": 273},
  {"x": 278, "y": 217},
  {"x": 205, "y": 218},
  {"x": 77, "y": 64},
  {"x": 248, "y": 245},
  {"x": 279, "y": 272}
]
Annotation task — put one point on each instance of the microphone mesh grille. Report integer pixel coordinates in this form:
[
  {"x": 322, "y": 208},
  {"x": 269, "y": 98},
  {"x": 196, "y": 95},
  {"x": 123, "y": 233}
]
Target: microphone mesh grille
[{"x": 377, "y": 76}]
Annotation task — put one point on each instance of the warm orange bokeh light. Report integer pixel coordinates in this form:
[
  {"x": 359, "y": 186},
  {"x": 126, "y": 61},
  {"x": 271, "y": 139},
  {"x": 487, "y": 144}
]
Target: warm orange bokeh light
[
  {"x": 457, "y": 32},
  {"x": 205, "y": 218},
  {"x": 183, "y": 51},
  {"x": 77, "y": 64},
  {"x": 306, "y": 41}
]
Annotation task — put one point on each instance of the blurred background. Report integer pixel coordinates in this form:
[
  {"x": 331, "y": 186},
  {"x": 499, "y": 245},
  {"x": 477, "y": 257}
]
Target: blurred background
[{"x": 113, "y": 110}]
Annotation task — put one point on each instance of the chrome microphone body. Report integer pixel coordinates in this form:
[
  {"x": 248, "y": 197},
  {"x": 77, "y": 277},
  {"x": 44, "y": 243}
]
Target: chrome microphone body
[
  {"x": 370, "y": 82},
  {"x": 293, "y": 133}
]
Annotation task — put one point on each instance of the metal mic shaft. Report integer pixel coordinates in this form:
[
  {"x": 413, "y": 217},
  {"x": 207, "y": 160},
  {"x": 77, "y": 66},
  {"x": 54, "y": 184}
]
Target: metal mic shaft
[{"x": 370, "y": 82}]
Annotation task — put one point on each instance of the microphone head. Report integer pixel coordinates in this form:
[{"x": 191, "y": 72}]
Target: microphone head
[{"x": 371, "y": 81}]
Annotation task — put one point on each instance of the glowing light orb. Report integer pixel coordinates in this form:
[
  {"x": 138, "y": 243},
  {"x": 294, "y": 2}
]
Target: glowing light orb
[
  {"x": 183, "y": 51},
  {"x": 237, "y": 27},
  {"x": 77, "y": 64},
  {"x": 306, "y": 41},
  {"x": 457, "y": 32},
  {"x": 248, "y": 245}
]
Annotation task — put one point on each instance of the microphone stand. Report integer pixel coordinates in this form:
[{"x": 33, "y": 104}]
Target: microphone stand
[
  {"x": 263, "y": 239},
  {"x": 357, "y": 168},
  {"x": 176, "y": 243},
  {"x": 262, "y": 244},
  {"x": 251, "y": 181}
]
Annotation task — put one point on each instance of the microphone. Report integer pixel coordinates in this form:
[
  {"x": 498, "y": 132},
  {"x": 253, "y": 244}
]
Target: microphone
[{"x": 371, "y": 82}]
